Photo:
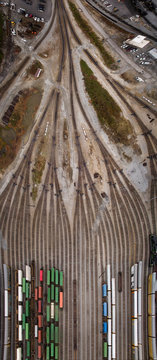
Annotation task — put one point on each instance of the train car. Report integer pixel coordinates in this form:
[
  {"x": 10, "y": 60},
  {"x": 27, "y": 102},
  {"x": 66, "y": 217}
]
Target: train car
[
  {"x": 48, "y": 277},
  {"x": 108, "y": 278},
  {"x": 134, "y": 304},
  {"x": 109, "y": 339},
  {"x": 56, "y": 313},
  {"x": 24, "y": 285},
  {"x": 36, "y": 294},
  {"x": 48, "y": 295},
  {"x": 41, "y": 275},
  {"x": 47, "y": 334},
  {"x": 56, "y": 295},
  {"x": 20, "y": 313},
  {"x": 105, "y": 309},
  {"x": 151, "y": 304},
  {"x": 40, "y": 292},
  {"x": 109, "y": 350},
  {"x": 105, "y": 327},
  {"x": 20, "y": 333},
  {"x": 113, "y": 292},
  {"x": 56, "y": 277},
  {"x": 52, "y": 331},
  {"x": 152, "y": 348},
  {"x": 119, "y": 281},
  {"x": 27, "y": 308},
  {"x": 23, "y": 321},
  {"x": 28, "y": 348},
  {"x": 113, "y": 318},
  {"x": 48, "y": 313},
  {"x": 39, "y": 352},
  {"x": 19, "y": 274},
  {"x": 6, "y": 303},
  {"x": 139, "y": 274},
  {"x": 56, "y": 353},
  {"x": 134, "y": 277},
  {"x": 134, "y": 333},
  {"x": 61, "y": 299},
  {"x": 7, "y": 277},
  {"x": 36, "y": 331},
  {"x": 39, "y": 336},
  {"x": 40, "y": 321},
  {"x": 52, "y": 350},
  {"x": 56, "y": 334},
  {"x": 20, "y": 294},
  {"x": 7, "y": 330},
  {"x": 53, "y": 275},
  {"x": 104, "y": 290},
  {"x": 109, "y": 304},
  {"x": 47, "y": 352},
  {"x": 52, "y": 310},
  {"x": 19, "y": 353},
  {"x": 105, "y": 350},
  {"x": 27, "y": 290},
  {"x": 28, "y": 273},
  {"x": 61, "y": 278},
  {"x": 113, "y": 346},
  {"x": 6, "y": 352},
  {"x": 39, "y": 306},
  {"x": 27, "y": 331},
  {"x": 52, "y": 292}
]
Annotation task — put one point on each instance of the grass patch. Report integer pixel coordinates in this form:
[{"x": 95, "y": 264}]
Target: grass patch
[
  {"x": 107, "y": 58},
  {"x": 37, "y": 174},
  {"x": 21, "y": 119},
  {"x": 108, "y": 112},
  {"x": 34, "y": 67}
]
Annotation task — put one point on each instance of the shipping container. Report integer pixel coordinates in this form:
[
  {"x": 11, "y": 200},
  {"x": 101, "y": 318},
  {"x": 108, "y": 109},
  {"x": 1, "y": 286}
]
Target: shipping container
[
  {"x": 104, "y": 290},
  {"x": 7, "y": 277},
  {"x": 113, "y": 318},
  {"x": 52, "y": 292},
  {"x": 56, "y": 313},
  {"x": 109, "y": 332},
  {"x": 24, "y": 285},
  {"x": 113, "y": 346},
  {"x": 52, "y": 311},
  {"x": 48, "y": 295},
  {"x": 134, "y": 277},
  {"x": 53, "y": 275},
  {"x": 56, "y": 352},
  {"x": 27, "y": 331},
  {"x": 28, "y": 348},
  {"x": 48, "y": 313},
  {"x": 113, "y": 292},
  {"x": 134, "y": 303},
  {"x": 27, "y": 308},
  {"x": 19, "y": 274},
  {"x": 36, "y": 331},
  {"x": 36, "y": 293},
  {"x": 139, "y": 300},
  {"x": 6, "y": 304},
  {"x": 19, "y": 353},
  {"x": 139, "y": 323},
  {"x": 20, "y": 297},
  {"x": 140, "y": 352},
  {"x": 27, "y": 290},
  {"x": 52, "y": 350},
  {"x": 105, "y": 327},
  {"x": 47, "y": 352},
  {"x": 39, "y": 306},
  {"x": 151, "y": 304},
  {"x": 19, "y": 312},
  {"x": 109, "y": 304},
  {"x": 39, "y": 336},
  {"x": 23, "y": 321},
  {"x": 56, "y": 334},
  {"x": 28, "y": 273},
  {"x": 48, "y": 277},
  {"x": 134, "y": 332},
  {"x": 61, "y": 300},
  {"x": 109, "y": 350},
  {"x": 151, "y": 326},
  {"x": 39, "y": 352},
  {"x": 20, "y": 333},
  {"x": 105, "y": 309},
  {"x": 41, "y": 275},
  {"x": 47, "y": 335},
  {"x": 56, "y": 277},
  {"x": 108, "y": 277},
  {"x": 56, "y": 295},
  {"x": 152, "y": 348},
  {"x": 119, "y": 281},
  {"x": 40, "y": 292},
  {"x": 7, "y": 330},
  {"x": 40, "y": 324},
  {"x": 105, "y": 349},
  {"x": 140, "y": 274},
  {"x": 61, "y": 278},
  {"x": 52, "y": 328}
]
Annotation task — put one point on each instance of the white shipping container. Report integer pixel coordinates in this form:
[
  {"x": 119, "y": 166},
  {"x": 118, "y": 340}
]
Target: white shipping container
[
  {"x": 134, "y": 332},
  {"x": 20, "y": 293},
  {"x": 6, "y": 311},
  {"x": 19, "y": 353},
  {"x": 139, "y": 299},
  {"x": 109, "y": 304},
  {"x": 108, "y": 278},
  {"x": 109, "y": 350},
  {"x": 113, "y": 346},
  {"x": 19, "y": 277},
  {"x": 113, "y": 318},
  {"x": 28, "y": 273},
  {"x": 20, "y": 333},
  {"x": 113, "y": 292},
  {"x": 36, "y": 331},
  {"x": 52, "y": 311},
  {"x": 134, "y": 298},
  {"x": 109, "y": 332},
  {"x": 19, "y": 312}
]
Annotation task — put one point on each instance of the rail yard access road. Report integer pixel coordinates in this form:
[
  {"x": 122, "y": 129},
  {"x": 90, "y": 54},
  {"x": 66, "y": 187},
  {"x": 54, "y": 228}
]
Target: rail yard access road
[{"x": 95, "y": 203}]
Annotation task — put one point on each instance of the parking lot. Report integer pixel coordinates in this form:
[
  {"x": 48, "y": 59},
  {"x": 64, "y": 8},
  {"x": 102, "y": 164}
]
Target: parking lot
[{"x": 36, "y": 8}]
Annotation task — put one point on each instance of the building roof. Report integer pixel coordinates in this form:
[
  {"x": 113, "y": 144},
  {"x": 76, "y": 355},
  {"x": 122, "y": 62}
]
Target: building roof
[
  {"x": 153, "y": 52},
  {"x": 138, "y": 41}
]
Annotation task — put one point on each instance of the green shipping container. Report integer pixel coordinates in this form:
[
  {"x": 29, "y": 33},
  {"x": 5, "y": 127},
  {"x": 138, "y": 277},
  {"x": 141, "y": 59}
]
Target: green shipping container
[
  {"x": 48, "y": 313},
  {"x": 23, "y": 285},
  {"x": 27, "y": 308},
  {"x": 56, "y": 277},
  {"x": 48, "y": 295},
  {"x": 47, "y": 352},
  {"x": 56, "y": 352},
  {"x": 48, "y": 277},
  {"x": 61, "y": 278},
  {"x": 52, "y": 292},
  {"x": 56, "y": 313},
  {"x": 52, "y": 332},
  {"x": 27, "y": 331},
  {"x": 28, "y": 351},
  {"x": 105, "y": 349},
  {"x": 48, "y": 335},
  {"x": 27, "y": 290},
  {"x": 56, "y": 334},
  {"x": 53, "y": 275},
  {"x": 56, "y": 295},
  {"x": 23, "y": 321},
  {"x": 52, "y": 350}
]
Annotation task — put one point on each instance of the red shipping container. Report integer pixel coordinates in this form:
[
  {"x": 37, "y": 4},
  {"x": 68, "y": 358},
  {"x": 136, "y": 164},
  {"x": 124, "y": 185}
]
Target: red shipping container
[
  {"x": 39, "y": 351},
  {"x": 36, "y": 294},
  {"x": 41, "y": 275}
]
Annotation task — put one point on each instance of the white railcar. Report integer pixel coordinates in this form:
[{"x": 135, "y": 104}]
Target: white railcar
[
  {"x": 28, "y": 273},
  {"x": 19, "y": 277},
  {"x": 113, "y": 318},
  {"x": 108, "y": 277},
  {"x": 36, "y": 331},
  {"x": 20, "y": 333},
  {"x": 109, "y": 304},
  {"x": 134, "y": 333},
  {"x": 113, "y": 346},
  {"x": 19, "y": 353},
  {"x": 20, "y": 294},
  {"x": 52, "y": 310},
  {"x": 6, "y": 310},
  {"x": 19, "y": 312},
  {"x": 109, "y": 339},
  {"x": 113, "y": 292}
]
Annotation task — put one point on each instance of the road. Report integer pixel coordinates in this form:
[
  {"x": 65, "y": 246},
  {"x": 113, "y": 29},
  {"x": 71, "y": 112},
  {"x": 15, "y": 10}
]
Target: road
[{"x": 83, "y": 235}]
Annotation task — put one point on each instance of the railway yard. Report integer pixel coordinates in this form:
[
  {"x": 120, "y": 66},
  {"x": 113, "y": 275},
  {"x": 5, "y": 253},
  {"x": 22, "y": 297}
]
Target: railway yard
[{"x": 78, "y": 188}]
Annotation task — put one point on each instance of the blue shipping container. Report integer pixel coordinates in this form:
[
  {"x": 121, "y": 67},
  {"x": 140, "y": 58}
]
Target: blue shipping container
[
  {"x": 105, "y": 327},
  {"x": 104, "y": 290},
  {"x": 104, "y": 309}
]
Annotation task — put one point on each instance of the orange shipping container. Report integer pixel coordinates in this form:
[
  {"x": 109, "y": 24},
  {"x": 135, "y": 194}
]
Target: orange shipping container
[
  {"x": 61, "y": 300},
  {"x": 40, "y": 292},
  {"x": 39, "y": 336},
  {"x": 39, "y": 306},
  {"x": 40, "y": 321},
  {"x": 39, "y": 351},
  {"x": 36, "y": 294}
]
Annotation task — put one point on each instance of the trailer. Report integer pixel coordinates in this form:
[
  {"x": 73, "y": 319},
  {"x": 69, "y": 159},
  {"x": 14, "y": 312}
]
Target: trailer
[
  {"x": 48, "y": 277},
  {"x": 53, "y": 275},
  {"x": 104, "y": 290},
  {"x": 28, "y": 273},
  {"x": 19, "y": 274},
  {"x": 61, "y": 279}
]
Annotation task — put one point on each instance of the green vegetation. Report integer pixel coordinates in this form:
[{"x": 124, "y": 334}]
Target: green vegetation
[
  {"x": 108, "y": 112},
  {"x": 1, "y": 36},
  {"x": 107, "y": 58},
  {"x": 34, "y": 67},
  {"x": 37, "y": 174}
]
